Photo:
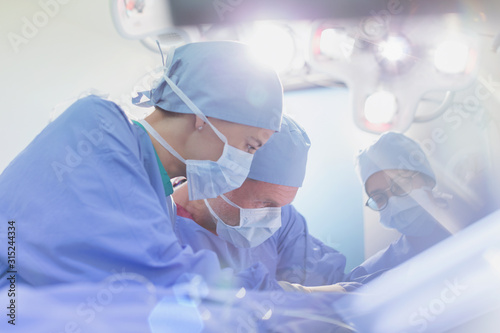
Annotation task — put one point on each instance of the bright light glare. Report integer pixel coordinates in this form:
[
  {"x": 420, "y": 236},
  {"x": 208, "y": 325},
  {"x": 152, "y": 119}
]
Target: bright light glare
[
  {"x": 241, "y": 293},
  {"x": 336, "y": 44},
  {"x": 273, "y": 45},
  {"x": 451, "y": 57},
  {"x": 394, "y": 48},
  {"x": 493, "y": 258},
  {"x": 380, "y": 107}
]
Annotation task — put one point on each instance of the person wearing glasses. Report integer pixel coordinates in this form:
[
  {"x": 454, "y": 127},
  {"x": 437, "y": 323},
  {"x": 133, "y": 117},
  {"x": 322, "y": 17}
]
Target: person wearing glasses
[
  {"x": 257, "y": 223},
  {"x": 401, "y": 187}
]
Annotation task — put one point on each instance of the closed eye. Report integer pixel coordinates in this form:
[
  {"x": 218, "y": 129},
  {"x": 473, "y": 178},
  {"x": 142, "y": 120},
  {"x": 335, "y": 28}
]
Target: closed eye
[
  {"x": 253, "y": 144},
  {"x": 251, "y": 149}
]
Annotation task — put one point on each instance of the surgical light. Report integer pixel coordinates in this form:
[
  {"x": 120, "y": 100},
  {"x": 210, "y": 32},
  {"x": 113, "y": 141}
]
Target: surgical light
[
  {"x": 134, "y": 7},
  {"x": 335, "y": 44},
  {"x": 380, "y": 107},
  {"x": 394, "y": 48},
  {"x": 273, "y": 44},
  {"x": 451, "y": 57}
]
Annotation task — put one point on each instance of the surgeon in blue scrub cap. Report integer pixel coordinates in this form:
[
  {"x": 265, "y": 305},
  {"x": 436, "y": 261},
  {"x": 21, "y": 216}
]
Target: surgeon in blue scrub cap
[
  {"x": 91, "y": 193},
  {"x": 400, "y": 185},
  {"x": 257, "y": 223},
  {"x": 214, "y": 107},
  {"x": 399, "y": 182}
]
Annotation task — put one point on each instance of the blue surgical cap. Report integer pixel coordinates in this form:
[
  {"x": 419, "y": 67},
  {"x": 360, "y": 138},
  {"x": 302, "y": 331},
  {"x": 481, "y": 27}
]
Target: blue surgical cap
[
  {"x": 223, "y": 79},
  {"x": 282, "y": 160},
  {"x": 392, "y": 151}
]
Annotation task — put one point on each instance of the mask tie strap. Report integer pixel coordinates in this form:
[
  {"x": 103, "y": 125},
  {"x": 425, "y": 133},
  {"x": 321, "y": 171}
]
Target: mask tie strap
[
  {"x": 193, "y": 107},
  {"x": 181, "y": 94},
  {"x": 217, "y": 216},
  {"x": 229, "y": 201},
  {"x": 162, "y": 141}
]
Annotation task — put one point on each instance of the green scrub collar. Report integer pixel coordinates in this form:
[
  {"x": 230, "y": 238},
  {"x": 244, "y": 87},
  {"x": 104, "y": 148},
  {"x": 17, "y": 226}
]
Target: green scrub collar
[{"x": 167, "y": 184}]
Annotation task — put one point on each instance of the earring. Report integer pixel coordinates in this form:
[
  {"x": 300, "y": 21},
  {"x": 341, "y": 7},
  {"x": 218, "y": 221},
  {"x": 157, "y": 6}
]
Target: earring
[{"x": 200, "y": 128}]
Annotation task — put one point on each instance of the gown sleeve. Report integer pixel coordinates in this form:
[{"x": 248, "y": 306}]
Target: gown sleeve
[
  {"x": 304, "y": 259},
  {"x": 396, "y": 253},
  {"x": 86, "y": 207}
]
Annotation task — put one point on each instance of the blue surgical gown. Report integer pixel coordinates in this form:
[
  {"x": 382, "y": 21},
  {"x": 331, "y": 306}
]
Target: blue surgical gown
[
  {"x": 293, "y": 255},
  {"x": 88, "y": 201},
  {"x": 399, "y": 251}
]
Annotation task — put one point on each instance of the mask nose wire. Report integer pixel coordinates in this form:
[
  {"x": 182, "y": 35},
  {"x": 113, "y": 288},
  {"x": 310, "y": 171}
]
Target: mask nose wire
[{"x": 161, "y": 140}]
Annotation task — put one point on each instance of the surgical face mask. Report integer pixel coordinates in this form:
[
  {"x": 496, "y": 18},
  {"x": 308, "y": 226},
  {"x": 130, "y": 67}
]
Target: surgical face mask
[
  {"x": 409, "y": 214},
  {"x": 256, "y": 225},
  {"x": 209, "y": 179}
]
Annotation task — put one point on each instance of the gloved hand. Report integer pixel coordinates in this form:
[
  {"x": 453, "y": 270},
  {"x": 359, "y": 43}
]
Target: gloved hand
[{"x": 332, "y": 288}]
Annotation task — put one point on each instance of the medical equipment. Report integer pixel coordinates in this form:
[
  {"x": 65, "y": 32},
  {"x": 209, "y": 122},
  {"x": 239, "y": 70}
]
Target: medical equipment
[{"x": 441, "y": 289}]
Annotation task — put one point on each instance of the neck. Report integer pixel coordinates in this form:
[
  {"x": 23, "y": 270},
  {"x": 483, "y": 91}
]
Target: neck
[
  {"x": 171, "y": 130},
  {"x": 196, "y": 208}
]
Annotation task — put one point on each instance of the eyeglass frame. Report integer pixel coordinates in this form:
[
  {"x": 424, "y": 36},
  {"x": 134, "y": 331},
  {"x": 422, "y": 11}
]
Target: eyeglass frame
[{"x": 390, "y": 188}]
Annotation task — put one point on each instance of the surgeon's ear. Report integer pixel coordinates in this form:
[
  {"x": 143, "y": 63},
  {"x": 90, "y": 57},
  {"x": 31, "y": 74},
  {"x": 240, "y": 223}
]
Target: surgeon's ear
[{"x": 199, "y": 123}]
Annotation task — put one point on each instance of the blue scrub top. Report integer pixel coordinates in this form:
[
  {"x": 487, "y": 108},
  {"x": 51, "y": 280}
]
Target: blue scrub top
[
  {"x": 399, "y": 251},
  {"x": 293, "y": 255},
  {"x": 88, "y": 201}
]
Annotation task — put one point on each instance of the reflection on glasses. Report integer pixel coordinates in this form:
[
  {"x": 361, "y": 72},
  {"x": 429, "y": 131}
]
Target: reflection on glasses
[{"x": 400, "y": 187}]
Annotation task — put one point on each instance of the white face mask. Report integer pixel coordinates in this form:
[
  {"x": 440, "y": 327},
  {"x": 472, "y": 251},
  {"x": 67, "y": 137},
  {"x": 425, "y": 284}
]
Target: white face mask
[
  {"x": 208, "y": 179},
  {"x": 409, "y": 214},
  {"x": 256, "y": 225}
]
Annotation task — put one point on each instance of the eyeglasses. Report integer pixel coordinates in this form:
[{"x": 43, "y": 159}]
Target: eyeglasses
[{"x": 400, "y": 187}]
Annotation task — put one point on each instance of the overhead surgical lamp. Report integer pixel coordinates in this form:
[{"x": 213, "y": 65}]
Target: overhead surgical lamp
[
  {"x": 394, "y": 54},
  {"x": 367, "y": 45},
  {"x": 388, "y": 76},
  {"x": 452, "y": 57},
  {"x": 395, "y": 48},
  {"x": 272, "y": 44},
  {"x": 335, "y": 44},
  {"x": 380, "y": 107}
]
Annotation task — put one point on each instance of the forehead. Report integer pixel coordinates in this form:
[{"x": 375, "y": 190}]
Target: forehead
[{"x": 257, "y": 191}]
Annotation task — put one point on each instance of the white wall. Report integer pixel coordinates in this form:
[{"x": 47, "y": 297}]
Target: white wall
[{"x": 75, "y": 49}]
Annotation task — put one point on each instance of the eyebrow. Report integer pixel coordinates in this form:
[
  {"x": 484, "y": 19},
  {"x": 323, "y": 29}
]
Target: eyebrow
[
  {"x": 272, "y": 202},
  {"x": 378, "y": 191}
]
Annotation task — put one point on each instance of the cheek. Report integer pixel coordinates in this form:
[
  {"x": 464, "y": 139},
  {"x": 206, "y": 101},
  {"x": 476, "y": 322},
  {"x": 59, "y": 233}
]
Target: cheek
[
  {"x": 206, "y": 147},
  {"x": 265, "y": 135},
  {"x": 419, "y": 182},
  {"x": 230, "y": 215},
  {"x": 237, "y": 142}
]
